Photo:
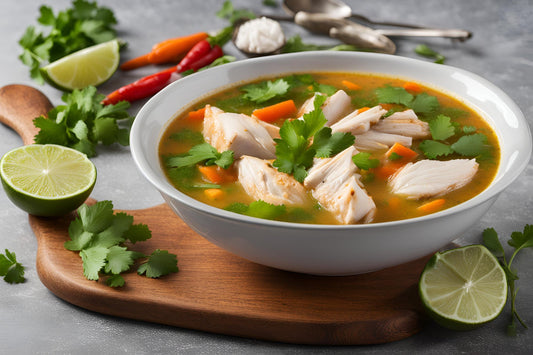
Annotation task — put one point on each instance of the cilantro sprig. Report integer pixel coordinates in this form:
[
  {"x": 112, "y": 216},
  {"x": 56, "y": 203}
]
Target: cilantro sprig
[
  {"x": 294, "y": 151},
  {"x": 10, "y": 268},
  {"x": 202, "y": 153},
  {"x": 424, "y": 51},
  {"x": 519, "y": 241},
  {"x": 100, "y": 237},
  {"x": 83, "y": 122},
  {"x": 82, "y": 25}
]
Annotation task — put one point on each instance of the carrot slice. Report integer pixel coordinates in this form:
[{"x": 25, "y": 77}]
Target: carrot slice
[
  {"x": 432, "y": 206},
  {"x": 383, "y": 172},
  {"x": 350, "y": 85},
  {"x": 214, "y": 194},
  {"x": 363, "y": 109},
  {"x": 405, "y": 153},
  {"x": 216, "y": 174},
  {"x": 275, "y": 112},
  {"x": 412, "y": 86},
  {"x": 197, "y": 115}
]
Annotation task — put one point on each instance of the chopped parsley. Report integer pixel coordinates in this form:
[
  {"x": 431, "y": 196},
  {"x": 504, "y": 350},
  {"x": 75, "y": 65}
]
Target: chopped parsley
[{"x": 99, "y": 235}]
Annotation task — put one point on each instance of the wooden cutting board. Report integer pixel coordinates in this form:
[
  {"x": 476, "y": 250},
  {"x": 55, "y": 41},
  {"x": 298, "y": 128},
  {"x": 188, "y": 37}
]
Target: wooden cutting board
[{"x": 218, "y": 292}]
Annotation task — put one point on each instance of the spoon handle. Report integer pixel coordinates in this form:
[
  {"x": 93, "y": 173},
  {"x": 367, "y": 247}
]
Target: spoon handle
[
  {"x": 427, "y": 32},
  {"x": 19, "y": 105},
  {"x": 365, "y": 19}
]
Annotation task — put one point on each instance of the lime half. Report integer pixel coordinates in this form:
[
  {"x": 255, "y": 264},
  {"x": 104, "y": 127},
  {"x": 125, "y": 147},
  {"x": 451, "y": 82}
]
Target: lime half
[
  {"x": 89, "y": 66},
  {"x": 47, "y": 180},
  {"x": 463, "y": 288}
]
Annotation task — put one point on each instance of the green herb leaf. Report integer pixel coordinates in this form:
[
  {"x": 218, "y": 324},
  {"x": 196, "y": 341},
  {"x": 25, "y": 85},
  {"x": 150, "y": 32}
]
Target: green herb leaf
[
  {"x": 363, "y": 161},
  {"x": 433, "y": 149},
  {"x": 491, "y": 241},
  {"x": 10, "y": 269},
  {"x": 424, "y": 51},
  {"x": 231, "y": 14},
  {"x": 295, "y": 44},
  {"x": 441, "y": 128},
  {"x": 99, "y": 236},
  {"x": 424, "y": 103},
  {"x": 326, "y": 144},
  {"x": 159, "y": 263},
  {"x": 83, "y": 122},
  {"x": 80, "y": 26},
  {"x": 470, "y": 145},
  {"x": 393, "y": 95},
  {"x": 265, "y": 90},
  {"x": 202, "y": 153}
]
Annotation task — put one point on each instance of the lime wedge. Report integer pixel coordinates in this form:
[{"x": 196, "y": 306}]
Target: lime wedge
[
  {"x": 89, "y": 66},
  {"x": 47, "y": 180},
  {"x": 463, "y": 288}
]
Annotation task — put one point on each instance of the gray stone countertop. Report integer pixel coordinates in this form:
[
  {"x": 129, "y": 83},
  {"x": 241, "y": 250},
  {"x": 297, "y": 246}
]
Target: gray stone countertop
[{"x": 35, "y": 321}]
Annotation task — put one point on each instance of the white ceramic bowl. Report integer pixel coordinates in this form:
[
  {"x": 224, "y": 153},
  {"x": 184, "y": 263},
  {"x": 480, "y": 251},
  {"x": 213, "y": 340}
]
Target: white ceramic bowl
[{"x": 323, "y": 249}]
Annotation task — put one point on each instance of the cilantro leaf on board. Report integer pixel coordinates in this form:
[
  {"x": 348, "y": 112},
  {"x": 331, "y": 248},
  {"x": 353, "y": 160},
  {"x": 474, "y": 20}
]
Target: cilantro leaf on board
[
  {"x": 99, "y": 235},
  {"x": 363, "y": 161},
  {"x": 83, "y": 122},
  {"x": 82, "y": 25},
  {"x": 10, "y": 268},
  {"x": 159, "y": 263},
  {"x": 519, "y": 240},
  {"x": 265, "y": 90},
  {"x": 202, "y": 153},
  {"x": 441, "y": 128},
  {"x": 393, "y": 95}
]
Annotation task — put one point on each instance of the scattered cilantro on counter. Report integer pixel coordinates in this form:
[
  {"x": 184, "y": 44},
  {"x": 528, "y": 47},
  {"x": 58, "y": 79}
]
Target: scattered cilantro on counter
[
  {"x": 519, "y": 241},
  {"x": 83, "y": 122},
  {"x": 295, "y": 44},
  {"x": 100, "y": 235},
  {"x": 424, "y": 51},
  {"x": 81, "y": 26},
  {"x": 10, "y": 269},
  {"x": 231, "y": 14}
]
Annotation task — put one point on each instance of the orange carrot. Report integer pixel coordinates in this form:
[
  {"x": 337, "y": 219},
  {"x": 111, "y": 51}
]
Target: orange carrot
[
  {"x": 384, "y": 171},
  {"x": 350, "y": 85},
  {"x": 214, "y": 194},
  {"x": 432, "y": 206},
  {"x": 216, "y": 174},
  {"x": 197, "y": 115},
  {"x": 405, "y": 153},
  {"x": 170, "y": 50},
  {"x": 363, "y": 109},
  {"x": 386, "y": 106},
  {"x": 275, "y": 112},
  {"x": 394, "y": 202},
  {"x": 135, "y": 63},
  {"x": 412, "y": 86}
]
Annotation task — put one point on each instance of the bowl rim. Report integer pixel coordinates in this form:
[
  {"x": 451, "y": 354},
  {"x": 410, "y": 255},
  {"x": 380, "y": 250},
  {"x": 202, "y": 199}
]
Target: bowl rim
[{"x": 163, "y": 185}]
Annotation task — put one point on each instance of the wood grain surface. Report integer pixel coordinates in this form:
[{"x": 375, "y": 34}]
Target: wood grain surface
[{"x": 218, "y": 292}]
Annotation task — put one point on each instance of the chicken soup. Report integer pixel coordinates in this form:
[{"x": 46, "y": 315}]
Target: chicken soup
[{"x": 330, "y": 148}]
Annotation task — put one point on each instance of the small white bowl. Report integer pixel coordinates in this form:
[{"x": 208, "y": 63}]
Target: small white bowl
[{"x": 326, "y": 249}]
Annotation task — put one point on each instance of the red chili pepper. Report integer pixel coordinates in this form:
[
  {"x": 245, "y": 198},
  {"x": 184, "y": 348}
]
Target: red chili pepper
[
  {"x": 199, "y": 50},
  {"x": 140, "y": 89},
  {"x": 216, "y": 52}
]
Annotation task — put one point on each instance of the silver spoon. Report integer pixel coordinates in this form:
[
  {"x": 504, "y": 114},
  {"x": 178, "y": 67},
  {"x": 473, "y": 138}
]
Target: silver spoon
[
  {"x": 322, "y": 23},
  {"x": 339, "y": 10},
  {"x": 347, "y": 31}
]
